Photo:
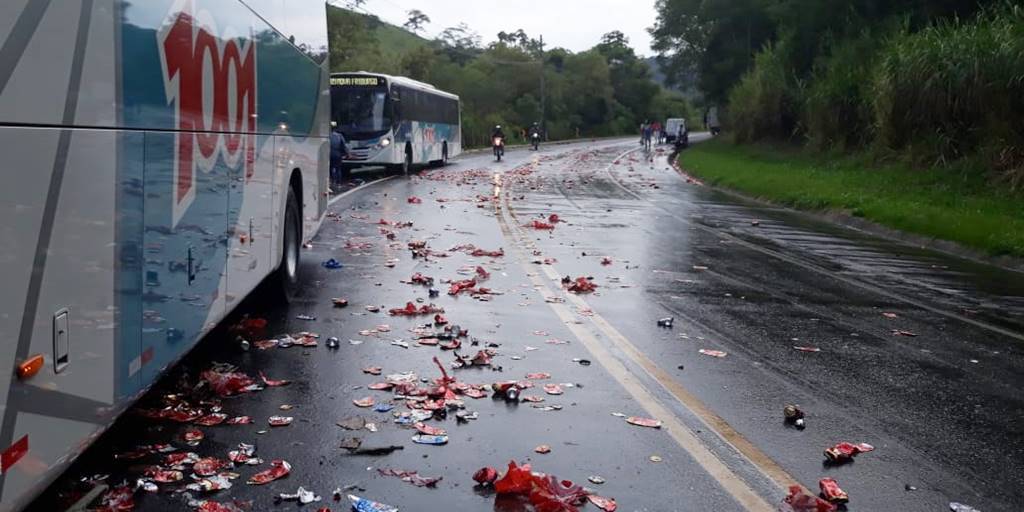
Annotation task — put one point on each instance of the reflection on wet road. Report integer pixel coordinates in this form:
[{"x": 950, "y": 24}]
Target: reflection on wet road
[{"x": 909, "y": 350}]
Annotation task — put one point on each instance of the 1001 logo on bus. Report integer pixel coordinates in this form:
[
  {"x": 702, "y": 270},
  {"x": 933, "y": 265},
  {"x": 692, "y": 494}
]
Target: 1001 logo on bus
[{"x": 210, "y": 78}]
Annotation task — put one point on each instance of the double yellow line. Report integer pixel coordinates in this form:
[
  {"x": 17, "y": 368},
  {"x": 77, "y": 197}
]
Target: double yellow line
[{"x": 589, "y": 335}]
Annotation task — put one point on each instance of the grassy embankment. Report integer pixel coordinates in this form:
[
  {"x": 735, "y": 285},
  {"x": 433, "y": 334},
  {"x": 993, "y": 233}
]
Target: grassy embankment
[{"x": 945, "y": 203}]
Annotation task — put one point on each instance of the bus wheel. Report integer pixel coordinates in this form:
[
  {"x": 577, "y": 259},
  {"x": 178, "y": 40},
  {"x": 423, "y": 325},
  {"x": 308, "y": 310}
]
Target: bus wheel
[
  {"x": 286, "y": 279},
  {"x": 407, "y": 163}
]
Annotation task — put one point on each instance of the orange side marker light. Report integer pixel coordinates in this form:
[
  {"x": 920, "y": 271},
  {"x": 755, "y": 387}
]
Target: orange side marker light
[{"x": 30, "y": 367}]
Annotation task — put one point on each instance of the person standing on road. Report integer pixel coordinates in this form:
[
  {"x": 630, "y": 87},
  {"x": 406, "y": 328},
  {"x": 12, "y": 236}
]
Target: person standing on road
[
  {"x": 339, "y": 149},
  {"x": 643, "y": 130},
  {"x": 656, "y": 131}
]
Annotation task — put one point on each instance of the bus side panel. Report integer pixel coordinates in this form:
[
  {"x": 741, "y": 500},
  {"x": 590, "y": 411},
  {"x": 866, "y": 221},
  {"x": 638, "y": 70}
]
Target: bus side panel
[
  {"x": 66, "y": 234},
  {"x": 184, "y": 261}
]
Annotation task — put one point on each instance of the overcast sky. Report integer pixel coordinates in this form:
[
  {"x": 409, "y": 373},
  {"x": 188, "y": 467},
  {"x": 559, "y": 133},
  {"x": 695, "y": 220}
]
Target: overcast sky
[{"x": 574, "y": 24}]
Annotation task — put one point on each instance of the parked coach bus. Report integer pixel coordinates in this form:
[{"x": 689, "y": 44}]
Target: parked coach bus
[
  {"x": 394, "y": 121},
  {"x": 162, "y": 159}
]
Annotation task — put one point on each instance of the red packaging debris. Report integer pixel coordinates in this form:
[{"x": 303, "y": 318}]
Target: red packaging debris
[
  {"x": 214, "y": 418},
  {"x": 553, "y": 389},
  {"x": 280, "y": 421},
  {"x": 606, "y": 261},
  {"x": 117, "y": 499},
  {"x": 410, "y": 309},
  {"x": 538, "y": 376},
  {"x": 414, "y": 200},
  {"x": 239, "y": 420},
  {"x": 213, "y": 506},
  {"x": 485, "y": 476},
  {"x": 208, "y": 466},
  {"x": 554, "y": 219},
  {"x": 273, "y": 383},
  {"x": 412, "y": 477},
  {"x": 545, "y": 492},
  {"x": 250, "y": 327},
  {"x": 423, "y": 428},
  {"x": 419, "y": 278},
  {"x": 227, "y": 383},
  {"x": 536, "y": 224},
  {"x": 643, "y": 422},
  {"x": 192, "y": 436},
  {"x": 440, "y": 319},
  {"x": 542, "y": 449},
  {"x": 606, "y": 504},
  {"x": 492, "y": 254},
  {"x": 457, "y": 287},
  {"x": 581, "y": 285},
  {"x": 799, "y": 501},
  {"x": 844, "y": 451},
  {"x": 364, "y": 402},
  {"x": 373, "y": 370},
  {"x": 482, "y": 274},
  {"x": 339, "y": 302},
  {"x": 178, "y": 459},
  {"x": 380, "y": 386},
  {"x": 164, "y": 476},
  {"x": 451, "y": 345},
  {"x": 832, "y": 492},
  {"x": 278, "y": 469}
]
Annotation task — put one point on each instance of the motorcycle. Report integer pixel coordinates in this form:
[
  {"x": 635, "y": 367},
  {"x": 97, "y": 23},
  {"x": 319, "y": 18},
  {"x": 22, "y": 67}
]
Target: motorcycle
[
  {"x": 536, "y": 141},
  {"x": 499, "y": 147}
]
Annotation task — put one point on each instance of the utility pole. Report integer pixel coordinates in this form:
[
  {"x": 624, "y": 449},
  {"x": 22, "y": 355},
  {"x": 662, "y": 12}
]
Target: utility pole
[{"x": 543, "y": 98}]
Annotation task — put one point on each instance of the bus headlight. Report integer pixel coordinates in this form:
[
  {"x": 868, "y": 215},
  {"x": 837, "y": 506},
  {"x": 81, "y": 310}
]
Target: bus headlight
[{"x": 385, "y": 142}]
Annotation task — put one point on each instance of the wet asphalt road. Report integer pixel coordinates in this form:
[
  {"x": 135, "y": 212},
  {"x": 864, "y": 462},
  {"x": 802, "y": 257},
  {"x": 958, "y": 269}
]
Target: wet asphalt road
[{"x": 943, "y": 408}]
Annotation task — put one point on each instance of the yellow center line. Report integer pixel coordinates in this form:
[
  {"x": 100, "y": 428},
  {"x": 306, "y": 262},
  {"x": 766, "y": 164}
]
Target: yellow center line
[{"x": 729, "y": 480}]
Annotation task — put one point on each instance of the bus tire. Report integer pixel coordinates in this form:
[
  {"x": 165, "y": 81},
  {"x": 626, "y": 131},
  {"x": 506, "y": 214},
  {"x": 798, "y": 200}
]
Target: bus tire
[
  {"x": 285, "y": 280},
  {"x": 407, "y": 162}
]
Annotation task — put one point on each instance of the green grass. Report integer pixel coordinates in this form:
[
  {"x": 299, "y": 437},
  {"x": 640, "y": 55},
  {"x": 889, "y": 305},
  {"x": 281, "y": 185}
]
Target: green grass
[{"x": 947, "y": 204}]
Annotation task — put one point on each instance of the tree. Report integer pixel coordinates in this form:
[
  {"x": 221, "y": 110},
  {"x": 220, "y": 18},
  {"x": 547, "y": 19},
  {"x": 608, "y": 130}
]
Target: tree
[
  {"x": 717, "y": 40},
  {"x": 417, "y": 19},
  {"x": 460, "y": 43}
]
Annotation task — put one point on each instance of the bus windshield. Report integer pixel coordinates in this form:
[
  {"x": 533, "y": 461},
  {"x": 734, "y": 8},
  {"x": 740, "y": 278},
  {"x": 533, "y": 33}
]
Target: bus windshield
[{"x": 361, "y": 112}]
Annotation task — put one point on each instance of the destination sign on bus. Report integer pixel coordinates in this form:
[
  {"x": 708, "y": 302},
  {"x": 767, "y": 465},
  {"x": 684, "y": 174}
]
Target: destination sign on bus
[{"x": 372, "y": 81}]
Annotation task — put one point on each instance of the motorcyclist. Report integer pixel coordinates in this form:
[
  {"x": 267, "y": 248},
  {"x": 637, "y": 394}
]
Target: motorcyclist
[
  {"x": 534, "y": 133},
  {"x": 497, "y": 132}
]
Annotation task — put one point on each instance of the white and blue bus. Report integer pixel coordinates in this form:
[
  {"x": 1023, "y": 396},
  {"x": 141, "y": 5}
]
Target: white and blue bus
[
  {"x": 394, "y": 121},
  {"x": 162, "y": 158}
]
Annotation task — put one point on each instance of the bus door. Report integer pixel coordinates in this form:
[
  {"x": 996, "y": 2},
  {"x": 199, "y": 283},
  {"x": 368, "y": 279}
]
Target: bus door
[{"x": 184, "y": 250}]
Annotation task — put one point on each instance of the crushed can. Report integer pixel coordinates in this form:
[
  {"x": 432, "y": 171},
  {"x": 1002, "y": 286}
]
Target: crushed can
[
  {"x": 666, "y": 322},
  {"x": 365, "y": 505},
  {"x": 831, "y": 491},
  {"x": 427, "y": 439},
  {"x": 332, "y": 342}
]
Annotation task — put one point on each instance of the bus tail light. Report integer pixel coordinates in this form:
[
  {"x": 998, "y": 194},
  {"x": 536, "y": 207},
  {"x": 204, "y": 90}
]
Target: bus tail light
[{"x": 30, "y": 367}]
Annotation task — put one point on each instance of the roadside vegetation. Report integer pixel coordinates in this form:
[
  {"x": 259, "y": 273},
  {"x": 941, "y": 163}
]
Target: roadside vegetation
[
  {"x": 607, "y": 90},
  {"x": 949, "y": 203},
  {"x": 916, "y": 106}
]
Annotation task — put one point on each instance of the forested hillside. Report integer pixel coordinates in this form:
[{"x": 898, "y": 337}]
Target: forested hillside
[{"x": 607, "y": 90}]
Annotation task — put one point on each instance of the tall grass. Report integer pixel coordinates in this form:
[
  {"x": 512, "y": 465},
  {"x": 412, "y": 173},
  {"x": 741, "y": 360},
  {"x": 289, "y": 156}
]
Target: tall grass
[
  {"x": 955, "y": 90},
  {"x": 952, "y": 92},
  {"x": 836, "y": 112},
  {"x": 764, "y": 104}
]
